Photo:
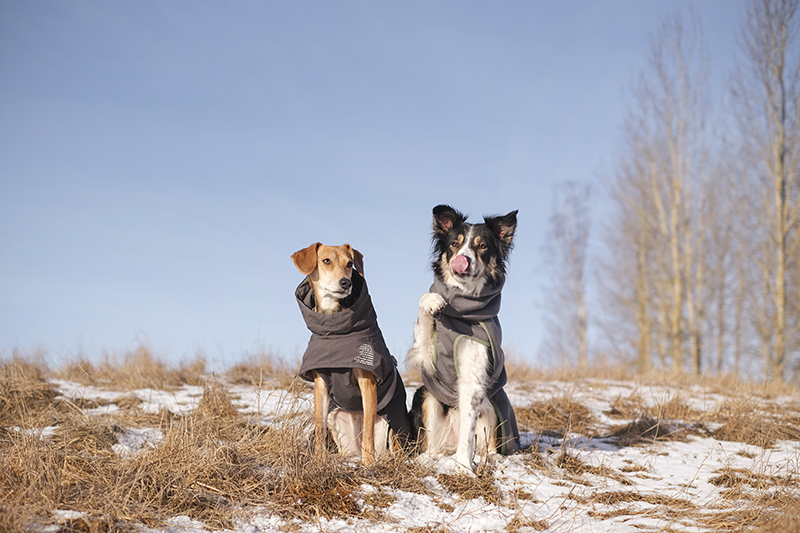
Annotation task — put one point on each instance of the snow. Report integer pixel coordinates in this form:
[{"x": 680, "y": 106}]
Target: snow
[{"x": 678, "y": 470}]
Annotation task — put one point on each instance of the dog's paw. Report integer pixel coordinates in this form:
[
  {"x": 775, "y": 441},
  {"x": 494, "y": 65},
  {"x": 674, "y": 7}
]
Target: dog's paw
[
  {"x": 431, "y": 304},
  {"x": 463, "y": 466}
]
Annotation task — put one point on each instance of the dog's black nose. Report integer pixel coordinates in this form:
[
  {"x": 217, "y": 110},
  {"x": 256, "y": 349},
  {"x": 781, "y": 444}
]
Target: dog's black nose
[{"x": 345, "y": 283}]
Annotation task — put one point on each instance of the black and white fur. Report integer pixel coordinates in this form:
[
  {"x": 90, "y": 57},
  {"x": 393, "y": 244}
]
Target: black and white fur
[{"x": 483, "y": 251}]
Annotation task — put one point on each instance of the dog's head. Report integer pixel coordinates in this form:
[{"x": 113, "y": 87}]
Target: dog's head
[
  {"x": 468, "y": 256},
  {"x": 330, "y": 270}
]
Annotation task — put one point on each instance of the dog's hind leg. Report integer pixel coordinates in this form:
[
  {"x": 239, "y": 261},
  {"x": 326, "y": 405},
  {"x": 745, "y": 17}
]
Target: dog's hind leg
[
  {"x": 438, "y": 432},
  {"x": 486, "y": 429},
  {"x": 346, "y": 430},
  {"x": 385, "y": 439}
]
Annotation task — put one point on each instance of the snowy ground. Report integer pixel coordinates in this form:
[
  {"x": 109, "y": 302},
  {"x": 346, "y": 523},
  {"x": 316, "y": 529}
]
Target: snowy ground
[{"x": 571, "y": 482}]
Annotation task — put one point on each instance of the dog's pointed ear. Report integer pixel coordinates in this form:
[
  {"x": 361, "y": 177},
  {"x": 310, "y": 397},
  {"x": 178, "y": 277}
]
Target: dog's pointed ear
[
  {"x": 306, "y": 259},
  {"x": 358, "y": 259},
  {"x": 445, "y": 218},
  {"x": 503, "y": 228}
]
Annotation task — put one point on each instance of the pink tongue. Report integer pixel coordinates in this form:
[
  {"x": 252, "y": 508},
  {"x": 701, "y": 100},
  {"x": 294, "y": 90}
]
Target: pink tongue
[{"x": 459, "y": 264}]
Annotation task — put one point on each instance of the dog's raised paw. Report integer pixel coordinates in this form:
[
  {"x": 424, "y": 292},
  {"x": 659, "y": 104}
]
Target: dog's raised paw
[{"x": 431, "y": 304}]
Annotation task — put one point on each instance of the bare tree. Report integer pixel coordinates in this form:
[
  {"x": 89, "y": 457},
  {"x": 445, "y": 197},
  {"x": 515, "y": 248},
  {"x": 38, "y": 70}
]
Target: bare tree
[
  {"x": 718, "y": 208},
  {"x": 657, "y": 190},
  {"x": 765, "y": 93},
  {"x": 565, "y": 251},
  {"x": 634, "y": 319}
]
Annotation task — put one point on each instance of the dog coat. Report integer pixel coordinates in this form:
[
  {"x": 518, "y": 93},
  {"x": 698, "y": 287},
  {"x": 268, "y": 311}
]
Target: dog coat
[
  {"x": 352, "y": 339},
  {"x": 474, "y": 318}
]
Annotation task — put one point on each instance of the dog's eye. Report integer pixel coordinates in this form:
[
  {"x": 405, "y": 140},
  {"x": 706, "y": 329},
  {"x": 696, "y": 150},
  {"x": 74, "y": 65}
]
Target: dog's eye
[
  {"x": 349, "y": 264},
  {"x": 482, "y": 246},
  {"x": 454, "y": 245},
  {"x": 326, "y": 261}
]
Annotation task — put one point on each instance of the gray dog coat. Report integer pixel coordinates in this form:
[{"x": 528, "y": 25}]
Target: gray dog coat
[
  {"x": 473, "y": 318},
  {"x": 352, "y": 339}
]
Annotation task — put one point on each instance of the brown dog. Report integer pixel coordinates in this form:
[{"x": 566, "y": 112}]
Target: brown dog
[{"x": 330, "y": 271}]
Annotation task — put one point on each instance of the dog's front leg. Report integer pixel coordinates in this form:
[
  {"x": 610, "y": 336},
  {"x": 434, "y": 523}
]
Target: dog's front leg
[
  {"x": 473, "y": 359},
  {"x": 321, "y": 407},
  {"x": 421, "y": 353},
  {"x": 369, "y": 402}
]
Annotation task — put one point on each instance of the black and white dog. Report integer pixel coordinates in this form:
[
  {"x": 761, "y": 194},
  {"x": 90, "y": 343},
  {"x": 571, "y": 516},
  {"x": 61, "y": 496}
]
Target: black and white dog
[{"x": 457, "y": 341}]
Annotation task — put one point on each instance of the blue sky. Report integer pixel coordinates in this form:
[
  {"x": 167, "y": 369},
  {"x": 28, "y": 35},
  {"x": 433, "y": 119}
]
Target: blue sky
[{"x": 161, "y": 161}]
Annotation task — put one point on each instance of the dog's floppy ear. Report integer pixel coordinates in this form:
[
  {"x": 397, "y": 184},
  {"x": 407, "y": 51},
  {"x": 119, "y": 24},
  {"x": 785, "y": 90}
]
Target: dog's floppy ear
[
  {"x": 503, "y": 228},
  {"x": 358, "y": 259},
  {"x": 306, "y": 259},
  {"x": 444, "y": 218}
]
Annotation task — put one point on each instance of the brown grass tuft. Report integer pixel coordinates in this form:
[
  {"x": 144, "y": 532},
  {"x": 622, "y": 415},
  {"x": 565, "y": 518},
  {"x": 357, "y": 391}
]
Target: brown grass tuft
[
  {"x": 646, "y": 430},
  {"x": 428, "y": 529},
  {"x": 784, "y": 519},
  {"x": 576, "y": 468},
  {"x": 137, "y": 369},
  {"x": 675, "y": 409},
  {"x": 25, "y": 396},
  {"x": 470, "y": 487},
  {"x": 85, "y": 437},
  {"x": 557, "y": 417},
  {"x": 626, "y": 408},
  {"x": 757, "y": 425},
  {"x": 760, "y": 512},
  {"x": 522, "y": 522},
  {"x": 737, "y": 477},
  {"x": 258, "y": 369},
  {"x": 617, "y": 497},
  {"x": 215, "y": 406}
]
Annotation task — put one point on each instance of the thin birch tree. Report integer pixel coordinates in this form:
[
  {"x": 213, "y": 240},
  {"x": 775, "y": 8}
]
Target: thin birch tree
[
  {"x": 656, "y": 190},
  {"x": 565, "y": 251},
  {"x": 765, "y": 93}
]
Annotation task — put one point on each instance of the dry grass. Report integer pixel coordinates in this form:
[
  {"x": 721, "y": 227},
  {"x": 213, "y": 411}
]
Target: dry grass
[
  {"x": 522, "y": 522},
  {"x": 754, "y": 414},
  {"x": 738, "y": 478},
  {"x": 576, "y": 469},
  {"x": 137, "y": 369},
  {"x": 471, "y": 487},
  {"x": 676, "y": 408},
  {"x": 626, "y": 408},
  {"x": 618, "y": 497},
  {"x": 216, "y": 466},
  {"x": 646, "y": 430},
  {"x": 521, "y": 374},
  {"x": 557, "y": 417},
  {"x": 755, "y": 423},
  {"x": 759, "y": 512},
  {"x": 261, "y": 368},
  {"x": 24, "y": 395},
  {"x": 212, "y": 465}
]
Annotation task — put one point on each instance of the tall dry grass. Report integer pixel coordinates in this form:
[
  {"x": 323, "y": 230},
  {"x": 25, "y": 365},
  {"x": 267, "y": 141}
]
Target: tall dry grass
[
  {"x": 262, "y": 369},
  {"x": 136, "y": 369},
  {"x": 211, "y": 465},
  {"x": 216, "y": 466},
  {"x": 25, "y": 397}
]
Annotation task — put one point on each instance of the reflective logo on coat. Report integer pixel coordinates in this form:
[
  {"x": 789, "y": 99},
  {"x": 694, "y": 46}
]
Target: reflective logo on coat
[{"x": 365, "y": 355}]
